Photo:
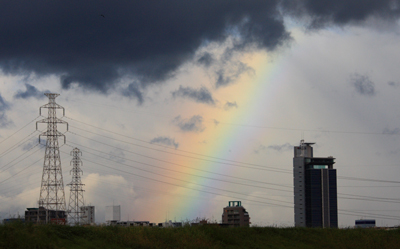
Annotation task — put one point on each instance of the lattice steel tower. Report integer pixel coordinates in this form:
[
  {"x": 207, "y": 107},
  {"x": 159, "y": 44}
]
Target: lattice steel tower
[
  {"x": 52, "y": 195},
  {"x": 76, "y": 200}
]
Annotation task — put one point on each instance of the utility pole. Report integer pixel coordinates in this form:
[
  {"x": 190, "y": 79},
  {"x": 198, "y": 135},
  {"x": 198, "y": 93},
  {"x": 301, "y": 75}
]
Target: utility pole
[
  {"x": 76, "y": 200},
  {"x": 52, "y": 195}
]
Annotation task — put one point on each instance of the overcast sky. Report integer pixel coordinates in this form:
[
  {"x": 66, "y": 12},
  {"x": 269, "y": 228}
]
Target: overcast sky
[{"x": 181, "y": 106}]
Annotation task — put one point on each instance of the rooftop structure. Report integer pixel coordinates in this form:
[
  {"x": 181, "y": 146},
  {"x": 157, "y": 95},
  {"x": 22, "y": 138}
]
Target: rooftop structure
[{"x": 365, "y": 223}]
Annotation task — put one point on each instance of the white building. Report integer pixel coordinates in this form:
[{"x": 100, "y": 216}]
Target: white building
[
  {"x": 113, "y": 214},
  {"x": 88, "y": 215}
]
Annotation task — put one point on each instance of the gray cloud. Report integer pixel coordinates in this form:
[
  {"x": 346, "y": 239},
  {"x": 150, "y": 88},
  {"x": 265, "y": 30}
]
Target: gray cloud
[
  {"x": 133, "y": 91},
  {"x": 4, "y": 121},
  {"x": 229, "y": 105},
  {"x": 117, "y": 155},
  {"x": 216, "y": 122},
  {"x": 388, "y": 131},
  {"x": 393, "y": 84},
  {"x": 260, "y": 149},
  {"x": 144, "y": 40},
  {"x": 228, "y": 75},
  {"x": 30, "y": 143},
  {"x": 341, "y": 12},
  {"x": 363, "y": 85},
  {"x": 206, "y": 59},
  {"x": 30, "y": 91},
  {"x": 202, "y": 95},
  {"x": 166, "y": 141},
  {"x": 194, "y": 124},
  {"x": 281, "y": 148}
]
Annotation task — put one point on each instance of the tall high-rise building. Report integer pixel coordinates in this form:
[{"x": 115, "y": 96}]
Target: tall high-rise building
[{"x": 315, "y": 188}]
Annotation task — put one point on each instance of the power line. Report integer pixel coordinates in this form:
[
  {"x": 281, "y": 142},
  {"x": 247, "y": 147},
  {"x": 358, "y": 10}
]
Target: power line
[
  {"x": 173, "y": 184},
  {"x": 239, "y": 178},
  {"x": 339, "y": 177},
  {"x": 143, "y": 141},
  {"x": 244, "y": 184},
  {"x": 20, "y": 171},
  {"x": 259, "y": 167},
  {"x": 368, "y": 186},
  {"x": 19, "y": 157},
  {"x": 16, "y": 145},
  {"x": 259, "y": 126},
  {"x": 148, "y": 171},
  {"x": 382, "y": 216},
  {"x": 371, "y": 197},
  {"x": 366, "y": 179},
  {"x": 19, "y": 129}
]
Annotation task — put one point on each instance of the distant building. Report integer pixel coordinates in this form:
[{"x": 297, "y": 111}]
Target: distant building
[
  {"x": 113, "y": 214},
  {"x": 235, "y": 215},
  {"x": 315, "y": 189},
  {"x": 88, "y": 215},
  {"x": 365, "y": 223},
  {"x": 42, "y": 215},
  {"x": 133, "y": 223},
  {"x": 170, "y": 224}
]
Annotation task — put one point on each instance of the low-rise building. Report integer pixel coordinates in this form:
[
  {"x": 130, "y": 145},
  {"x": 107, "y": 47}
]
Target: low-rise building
[
  {"x": 42, "y": 215},
  {"x": 365, "y": 223},
  {"x": 235, "y": 215}
]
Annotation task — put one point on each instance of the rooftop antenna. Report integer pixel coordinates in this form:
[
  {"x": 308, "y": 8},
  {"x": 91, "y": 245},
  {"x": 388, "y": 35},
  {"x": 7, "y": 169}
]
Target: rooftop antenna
[{"x": 302, "y": 147}]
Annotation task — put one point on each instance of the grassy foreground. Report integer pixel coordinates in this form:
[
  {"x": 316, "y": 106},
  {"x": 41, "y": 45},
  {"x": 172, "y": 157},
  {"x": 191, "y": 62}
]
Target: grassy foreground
[{"x": 53, "y": 236}]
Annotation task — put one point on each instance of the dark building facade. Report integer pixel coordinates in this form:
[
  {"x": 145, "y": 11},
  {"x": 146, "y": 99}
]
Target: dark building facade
[
  {"x": 315, "y": 188},
  {"x": 42, "y": 215},
  {"x": 235, "y": 215}
]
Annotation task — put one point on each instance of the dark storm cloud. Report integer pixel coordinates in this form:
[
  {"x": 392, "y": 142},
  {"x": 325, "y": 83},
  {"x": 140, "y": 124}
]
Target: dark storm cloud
[
  {"x": 341, "y": 12},
  {"x": 166, "y": 141},
  {"x": 30, "y": 91},
  {"x": 202, "y": 95},
  {"x": 194, "y": 124},
  {"x": 229, "y": 105},
  {"x": 363, "y": 85},
  {"x": 145, "y": 40},
  {"x": 133, "y": 91}
]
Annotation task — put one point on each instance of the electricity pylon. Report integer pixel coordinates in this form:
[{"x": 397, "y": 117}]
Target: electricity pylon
[
  {"x": 52, "y": 195},
  {"x": 76, "y": 200}
]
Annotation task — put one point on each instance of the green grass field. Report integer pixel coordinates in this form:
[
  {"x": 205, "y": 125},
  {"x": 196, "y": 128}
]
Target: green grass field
[{"x": 53, "y": 236}]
